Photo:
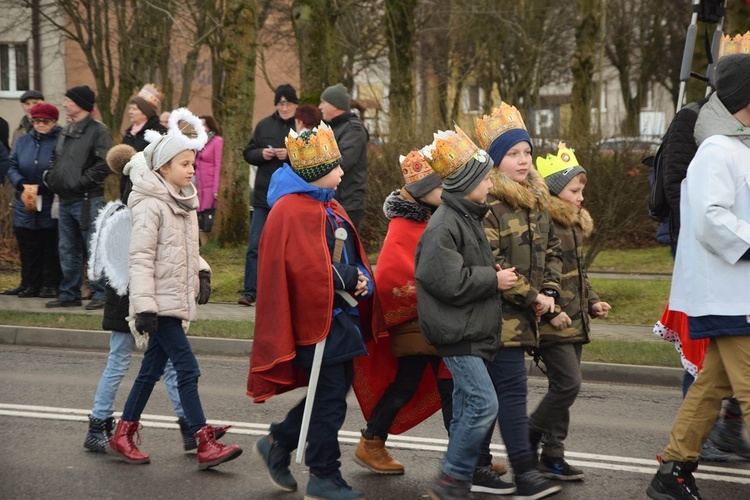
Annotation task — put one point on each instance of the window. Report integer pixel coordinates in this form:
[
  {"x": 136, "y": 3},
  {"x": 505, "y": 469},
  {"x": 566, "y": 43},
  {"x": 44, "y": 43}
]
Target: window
[
  {"x": 473, "y": 99},
  {"x": 14, "y": 68}
]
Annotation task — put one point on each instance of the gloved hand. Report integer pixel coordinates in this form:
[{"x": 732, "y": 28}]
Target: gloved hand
[
  {"x": 146, "y": 323},
  {"x": 204, "y": 293}
]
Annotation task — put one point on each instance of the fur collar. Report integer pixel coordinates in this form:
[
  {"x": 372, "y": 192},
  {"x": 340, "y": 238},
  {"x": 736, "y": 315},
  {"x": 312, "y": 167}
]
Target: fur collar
[
  {"x": 400, "y": 205},
  {"x": 565, "y": 214},
  {"x": 529, "y": 194}
]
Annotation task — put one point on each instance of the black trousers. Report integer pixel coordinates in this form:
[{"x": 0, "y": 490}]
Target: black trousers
[{"x": 40, "y": 264}]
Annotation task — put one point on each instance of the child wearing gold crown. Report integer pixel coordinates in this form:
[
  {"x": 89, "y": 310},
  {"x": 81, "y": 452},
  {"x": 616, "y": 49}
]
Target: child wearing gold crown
[
  {"x": 521, "y": 235},
  {"x": 563, "y": 333},
  {"x": 458, "y": 303},
  {"x": 315, "y": 285}
]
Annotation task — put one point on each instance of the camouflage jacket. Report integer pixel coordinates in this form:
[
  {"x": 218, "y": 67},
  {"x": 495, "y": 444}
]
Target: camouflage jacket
[
  {"x": 577, "y": 296},
  {"x": 521, "y": 235}
]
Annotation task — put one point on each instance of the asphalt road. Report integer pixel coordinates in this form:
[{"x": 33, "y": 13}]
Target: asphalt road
[{"x": 46, "y": 394}]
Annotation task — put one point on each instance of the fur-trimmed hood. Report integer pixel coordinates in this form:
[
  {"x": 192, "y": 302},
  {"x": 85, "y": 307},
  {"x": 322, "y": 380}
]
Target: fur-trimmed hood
[
  {"x": 566, "y": 214},
  {"x": 399, "y": 204},
  {"x": 529, "y": 194}
]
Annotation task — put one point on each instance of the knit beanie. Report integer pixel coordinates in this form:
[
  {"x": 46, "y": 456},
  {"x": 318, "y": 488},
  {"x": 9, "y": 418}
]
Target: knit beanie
[
  {"x": 337, "y": 96},
  {"x": 145, "y": 107},
  {"x": 44, "y": 110},
  {"x": 31, "y": 94},
  {"x": 83, "y": 96},
  {"x": 463, "y": 181},
  {"x": 559, "y": 170},
  {"x": 419, "y": 177},
  {"x": 733, "y": 81},
  {"x": 287, "y": 92},
  {"x": 505, "y": 141}
]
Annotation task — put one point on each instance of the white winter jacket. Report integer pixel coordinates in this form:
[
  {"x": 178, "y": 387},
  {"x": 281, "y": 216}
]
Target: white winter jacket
[{"x": 164, "y": 258}]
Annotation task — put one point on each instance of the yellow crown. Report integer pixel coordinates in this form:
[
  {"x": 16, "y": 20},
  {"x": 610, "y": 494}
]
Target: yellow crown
[
  {"x": 449, "y": 151},
  {"x": 312, "y": 148},
  {"x": 740, "y": 44},
  {"x": 503, "y": 118},
  {"x": 414, "y": 167},
  {"x": 151, "y": 94},
  {"x": 552, "y": 164}
]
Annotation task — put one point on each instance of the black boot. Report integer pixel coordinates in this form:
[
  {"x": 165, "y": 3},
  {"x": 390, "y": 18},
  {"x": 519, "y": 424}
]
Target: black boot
[
  {"x": 674, "y": 481},
  {"x": 100, "y": 432}
]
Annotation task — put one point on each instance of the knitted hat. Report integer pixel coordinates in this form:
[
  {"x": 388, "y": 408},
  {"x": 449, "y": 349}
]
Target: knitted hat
[
  {"x": 44, "y": 110},
  {"x": 457, "y": 160},
  {"x": 733, "y": 81},
  {"x": 337, "y": 96},
  {"x": 559, "y": 170},
  {"x": 163, "y": 148},
  {"x": 31, "y": 94},
  {"x": 501, "y": 130},
  {"x": 419, "y": 177},
  {"x": 313, "y": 153},
  {"x": 83, "y": 96},
  {"x": 287, "y": 92}
]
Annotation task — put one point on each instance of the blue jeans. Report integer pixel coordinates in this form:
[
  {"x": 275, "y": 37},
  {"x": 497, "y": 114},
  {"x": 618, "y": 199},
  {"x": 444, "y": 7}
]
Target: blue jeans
[
  {"x": 257, "y": 221},
  {"x": 74, "y": 239},
  {"x": 121, "y": 346},
  {"x": 508, "y": 374},
  {"x": 169, "y": 344},
  {"x": 328, "y": 412},
  {"x": 474, "y": 411}
]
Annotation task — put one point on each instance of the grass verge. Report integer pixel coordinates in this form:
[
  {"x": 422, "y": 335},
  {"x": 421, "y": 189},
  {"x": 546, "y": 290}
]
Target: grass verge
[
  {"x": 634, "y": 302},
  {"x": 632, "y": 353},
  {"x": 635, "y": 260}
]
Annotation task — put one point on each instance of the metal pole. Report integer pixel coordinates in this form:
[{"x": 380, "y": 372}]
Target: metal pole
[{"x": 687, "y": 55}]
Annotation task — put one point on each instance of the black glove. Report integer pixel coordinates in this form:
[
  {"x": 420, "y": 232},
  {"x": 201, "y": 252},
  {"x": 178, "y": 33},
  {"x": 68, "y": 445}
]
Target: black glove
[
  {"x": 146, "y": 323},
  {"x": 204, "y": 293}
]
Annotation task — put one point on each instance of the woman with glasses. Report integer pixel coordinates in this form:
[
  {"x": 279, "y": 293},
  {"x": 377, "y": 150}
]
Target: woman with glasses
[{"x": 35, "y": 229}]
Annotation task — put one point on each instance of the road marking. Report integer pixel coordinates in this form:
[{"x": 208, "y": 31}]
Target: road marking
[{"x": 590, "y": 460}]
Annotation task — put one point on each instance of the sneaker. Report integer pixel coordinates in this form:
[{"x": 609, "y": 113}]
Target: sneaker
[
  {"x": 445, "y": 487},
  {"x": 499, "y": 468},
  {"x": 246, "y": 300},
  {"x": 531, "y": 485},
  {"x": 62, "y": 303},
  {"x": 486, "y": 480},
  {"x": 728, "y": 435},
  {"x": 674, "y": 481},
  {"x": 709, "y": 453},
  {"x": 276, "y": 460},
  {"x": 333, "y": 488},
  {"x": 558, "y": 468}
]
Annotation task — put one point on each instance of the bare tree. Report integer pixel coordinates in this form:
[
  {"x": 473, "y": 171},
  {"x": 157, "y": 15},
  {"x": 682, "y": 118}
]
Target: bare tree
[
  {"x": 400, "y": 28},
  {"x": 582, "y": 66}
]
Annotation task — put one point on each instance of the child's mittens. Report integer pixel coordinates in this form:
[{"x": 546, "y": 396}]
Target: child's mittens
[
  {"x": 204, "y": 277},
  {"x": 146, "y": 323}
]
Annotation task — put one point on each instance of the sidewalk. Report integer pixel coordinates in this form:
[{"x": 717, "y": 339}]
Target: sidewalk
[{"x": 81, "y": 339}]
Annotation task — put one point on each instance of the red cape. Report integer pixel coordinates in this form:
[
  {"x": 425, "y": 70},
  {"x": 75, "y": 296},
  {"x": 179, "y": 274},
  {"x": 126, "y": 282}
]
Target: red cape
[
  {"x": 295, "y": 298},
  {"x": 396, "y": 285}
]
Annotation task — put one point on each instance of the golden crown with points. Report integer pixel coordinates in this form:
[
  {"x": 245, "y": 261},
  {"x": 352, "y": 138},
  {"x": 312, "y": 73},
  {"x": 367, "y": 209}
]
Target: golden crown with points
[
  {"x": 151, "y": 94},
  {"x": 450, "y": 151},
  {"x": 414, "y": 167},
  {"x": 503, "y": 118},
  {"x": 552, "y": 164},
  {"x": 739, "y": 44},
  {"x": 312, "y": 148}
]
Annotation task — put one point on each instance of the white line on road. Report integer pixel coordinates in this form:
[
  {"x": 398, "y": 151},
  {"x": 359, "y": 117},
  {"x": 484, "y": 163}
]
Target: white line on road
[{"x": 596, "y": 461}]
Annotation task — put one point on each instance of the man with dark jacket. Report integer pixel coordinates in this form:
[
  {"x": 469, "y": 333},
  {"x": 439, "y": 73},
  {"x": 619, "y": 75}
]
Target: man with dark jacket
[
  {"x": 267, "y": 151},
  {"x": 352, "y": 138},
  {"x": 77, "y": 175}
]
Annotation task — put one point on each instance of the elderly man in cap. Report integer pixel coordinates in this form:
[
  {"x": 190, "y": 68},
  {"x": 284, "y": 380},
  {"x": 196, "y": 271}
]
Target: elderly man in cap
[
  {"x": 352, "y": 138},
  {"x": 76, "y": 176},
  {"x": 28, "y": 100},
  {"x": 267, "y": 151}
]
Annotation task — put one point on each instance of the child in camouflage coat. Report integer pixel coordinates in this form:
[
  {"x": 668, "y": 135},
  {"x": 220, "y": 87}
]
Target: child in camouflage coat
[{"x": 564, "y": 332}]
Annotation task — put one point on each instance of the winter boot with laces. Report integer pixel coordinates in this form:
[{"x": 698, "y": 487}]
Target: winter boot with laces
[
  {"x": 276, "y": 461},
  {"x": 212, "y": 453},
  {"x": 372, "y": 454},
  {"x": 674, "y": 481},
  {"x": 100, "y": 432},
  {"x": 530, "y": 484},
  {"x": 123, "y": 446},
  {"x": 333, "y": 488},
  {"x": 188, "y": 441}
]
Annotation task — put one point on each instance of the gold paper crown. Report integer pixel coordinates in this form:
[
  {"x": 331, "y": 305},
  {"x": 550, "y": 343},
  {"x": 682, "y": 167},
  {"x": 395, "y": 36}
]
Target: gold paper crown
[
  {"x": 503, "y": 118},
  {"x": 151, "y": 94},
  {"x": 414, "y": 167},
  {"x": 312, "y": 148},
  {"x": 740, "y": 44},
  {"x": 449, "y": 151},
  {"x": 552, "y": 164}
]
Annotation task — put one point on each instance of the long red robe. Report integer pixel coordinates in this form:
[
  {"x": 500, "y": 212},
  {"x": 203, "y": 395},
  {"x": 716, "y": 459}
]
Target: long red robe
[{"x": 295, "y": 293}]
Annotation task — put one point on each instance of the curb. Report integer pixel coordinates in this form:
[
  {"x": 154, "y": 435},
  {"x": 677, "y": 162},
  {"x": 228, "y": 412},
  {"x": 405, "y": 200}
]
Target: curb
[{"x": 99, "y": 340}]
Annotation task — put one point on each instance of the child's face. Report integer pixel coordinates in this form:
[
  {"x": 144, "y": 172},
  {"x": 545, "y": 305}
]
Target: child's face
[
  {"x": 180, "y": 169},
  {"x": 517, "y": 162},
  {"x": 331, "y": 180},
  {"x": 573, "y": 192},
  {"x": 479, "y": 193},
  {"x": 433, "y": 197}
]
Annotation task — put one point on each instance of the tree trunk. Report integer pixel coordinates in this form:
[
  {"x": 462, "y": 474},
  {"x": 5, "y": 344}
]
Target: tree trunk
[
  {"x": 314, "y": 27},
  {"x": 400, "y": 35},
  {"x": 582, "y": 67}
]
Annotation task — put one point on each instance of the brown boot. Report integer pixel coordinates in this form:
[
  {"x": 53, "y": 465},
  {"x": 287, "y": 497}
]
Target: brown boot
[
  {"x": 122, "y": 444},
  {"x": 371, "y": 454}
]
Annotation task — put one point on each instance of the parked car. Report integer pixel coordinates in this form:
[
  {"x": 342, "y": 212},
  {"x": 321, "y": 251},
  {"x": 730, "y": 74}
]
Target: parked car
[{"x": 641, "y": 146}]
